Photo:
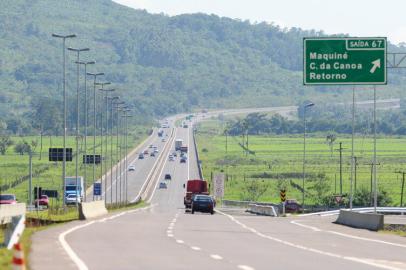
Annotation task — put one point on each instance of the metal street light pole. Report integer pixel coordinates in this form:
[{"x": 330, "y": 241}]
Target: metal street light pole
[
  {"x": 86, "y": 113},
  {"x": 112, "y": 99},
  {"x": 101, "y": 137},
  {"x": 64, "y": 37},
  {"x": 126, "y": 116},
  {"x": 95, "y": 75},
  {"x": 106, "y": 91},
  {"x": 78, "y": 51},
  {"x": 304, "y": 153},
  {"x": 118, "y": 146}
]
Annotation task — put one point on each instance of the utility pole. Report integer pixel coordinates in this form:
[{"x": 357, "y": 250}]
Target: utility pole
[
  {"x": 341, "y": 168},
  {"x": 355, "y": 173},
  {"x": 30, "y": 180},
  {"x": 403, "y": 186}
]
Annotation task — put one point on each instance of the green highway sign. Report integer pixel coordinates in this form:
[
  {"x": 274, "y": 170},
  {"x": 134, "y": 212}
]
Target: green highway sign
[{"x": 344, "y": 61}]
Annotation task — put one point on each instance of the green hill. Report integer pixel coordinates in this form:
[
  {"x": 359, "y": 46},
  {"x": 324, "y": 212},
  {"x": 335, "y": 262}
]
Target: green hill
[{"x": 160, "y": 64}]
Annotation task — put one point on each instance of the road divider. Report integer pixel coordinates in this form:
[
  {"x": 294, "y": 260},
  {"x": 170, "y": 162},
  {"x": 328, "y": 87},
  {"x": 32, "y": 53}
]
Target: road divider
[
  {"x": 92, "y": 209},
  {"x": 265, "y": 210},
  {"x": 368, "y": 221},
  {"x": 13, "y": 216}
]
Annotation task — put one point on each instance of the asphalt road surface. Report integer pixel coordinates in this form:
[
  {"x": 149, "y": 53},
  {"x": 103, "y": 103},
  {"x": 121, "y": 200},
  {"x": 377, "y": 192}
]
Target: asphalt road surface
[{"x": 164, "y": 236}]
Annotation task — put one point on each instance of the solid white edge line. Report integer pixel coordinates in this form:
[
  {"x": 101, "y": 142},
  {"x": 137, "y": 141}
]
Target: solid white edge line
[
  {"x": 245, "y": 267},
  {"x": 216, "y": 257},
  {"x": 349, "y": 235},
  {"x": 338, "y": 256},
  {"x": 72, "y": 255}
]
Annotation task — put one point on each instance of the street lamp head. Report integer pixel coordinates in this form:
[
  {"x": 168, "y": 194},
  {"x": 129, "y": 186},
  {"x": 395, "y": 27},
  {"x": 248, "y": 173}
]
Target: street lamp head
[
  {"x": 107, "y": 90},
  {"x": 95, "y": 74},
  {"x": 85, "y": 63},
  {"x": 62, "y": 36},
  {"x": 102, "y": 83},
  {"x": 309, "y": 105},
  {"x": 78, "y": 50}
]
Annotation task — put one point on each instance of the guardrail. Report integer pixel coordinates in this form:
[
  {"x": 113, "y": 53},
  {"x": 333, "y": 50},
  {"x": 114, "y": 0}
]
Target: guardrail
[
  {"x": 394, "y": 210},
  {"x": 199, "y": 165},
  {"x": 13, "y": 215}
]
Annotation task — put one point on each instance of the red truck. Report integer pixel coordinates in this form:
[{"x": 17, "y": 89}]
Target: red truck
[{"x": 194, "y": 187}]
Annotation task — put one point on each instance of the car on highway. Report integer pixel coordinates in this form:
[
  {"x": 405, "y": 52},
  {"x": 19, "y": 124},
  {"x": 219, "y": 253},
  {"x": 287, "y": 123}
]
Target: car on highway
[
  {"x": 151, "y": 146},
  {"x": 8, "y": 199},
  {"x": 292, "y": 206},
  {"x": 152, "y": 154},
  {"x": 141, "y": 156},
  {"x": 43, "y": 201},
  {"x": 171, "y": 158},
  {"x": 175, "y": 154},
  {"x": 131, "y": 168},
  {"x": 156, "y": 151},
  {"x": 146, "y": 152},
  {"x": 183, "y": 159},
  {"x": 168, "y": 176},
  {"x": 162, "y": 185},
  {"x": 163, "y": 140},
  {"x": 72, "y": 199},
  {"x": 202, "y": 203}
]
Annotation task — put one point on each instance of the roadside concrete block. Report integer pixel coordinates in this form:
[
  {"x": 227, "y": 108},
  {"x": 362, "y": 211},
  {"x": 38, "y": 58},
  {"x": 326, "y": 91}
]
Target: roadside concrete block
[
  {"x": 368, "y": 221},
  {"x": 92, "y": 209}
]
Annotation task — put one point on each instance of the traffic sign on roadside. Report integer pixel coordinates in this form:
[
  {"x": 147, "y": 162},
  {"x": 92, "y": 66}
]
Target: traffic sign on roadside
[
  {"x": 283, "y": 195},
  {"x": 351, "y": 60},
  {"x": 97, "y": 189}
]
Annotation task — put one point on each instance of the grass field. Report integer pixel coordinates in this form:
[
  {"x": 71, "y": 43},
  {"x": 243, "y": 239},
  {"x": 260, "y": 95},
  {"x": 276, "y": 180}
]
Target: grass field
[
  {"x": 48, "y": 175},
  {"x": 278, "y": 160}
]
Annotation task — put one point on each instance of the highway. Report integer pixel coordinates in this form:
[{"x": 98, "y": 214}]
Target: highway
[{"x": 163, "y": 236}]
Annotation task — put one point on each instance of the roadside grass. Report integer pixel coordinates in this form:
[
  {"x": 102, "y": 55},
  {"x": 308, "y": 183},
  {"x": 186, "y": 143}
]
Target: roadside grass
[
  {"x": 396, "y": 229},
  {"x": 48, "y": 174},
  {"x": 278, "y": 162}
]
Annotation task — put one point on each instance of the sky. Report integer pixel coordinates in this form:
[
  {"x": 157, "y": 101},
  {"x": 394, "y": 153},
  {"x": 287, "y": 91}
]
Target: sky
[{"x": 353, "y": 17}]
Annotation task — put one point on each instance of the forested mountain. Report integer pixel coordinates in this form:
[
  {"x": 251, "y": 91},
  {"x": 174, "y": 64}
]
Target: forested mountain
[{"x": 160, "y": 64}]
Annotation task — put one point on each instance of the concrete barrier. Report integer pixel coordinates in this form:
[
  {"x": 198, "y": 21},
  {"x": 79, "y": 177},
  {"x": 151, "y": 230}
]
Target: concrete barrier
[
  {"x": 92, "y": 209},
  {"x": 368, "y": 221},
  {"x": 266, "y": 210},
  {"x": 7, "y": 211},
  {"x": 236, "y": 203}
]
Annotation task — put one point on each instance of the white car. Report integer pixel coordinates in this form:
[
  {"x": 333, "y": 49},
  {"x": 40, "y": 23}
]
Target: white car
[
  {"x": 131, "y": 168},
  {"x": 171, "y": 158},
  {"x": 72, "y": 199}
]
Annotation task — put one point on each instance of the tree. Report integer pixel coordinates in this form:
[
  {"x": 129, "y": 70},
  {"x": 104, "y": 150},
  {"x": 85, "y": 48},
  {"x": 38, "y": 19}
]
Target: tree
[
  {"x": 330, "y": 139},
  {"x": 22, "y": 148},
  {"x": 5, "y": 143}
]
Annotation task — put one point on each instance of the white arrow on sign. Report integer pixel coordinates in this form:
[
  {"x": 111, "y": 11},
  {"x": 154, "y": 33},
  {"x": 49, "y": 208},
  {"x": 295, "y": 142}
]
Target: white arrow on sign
[{"x": 375, "y": 64}]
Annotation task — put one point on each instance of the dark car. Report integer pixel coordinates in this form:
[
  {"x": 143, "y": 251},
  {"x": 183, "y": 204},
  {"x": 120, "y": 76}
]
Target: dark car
[
  {"x": 202, "y": 203},
  {"x": 292, "y": 206},
  {"x": 183, "y": 159},
  {"x": 168, "y": 176},
  {"x": 8, "y": 199},
  {"x": 141, "y": 156}
]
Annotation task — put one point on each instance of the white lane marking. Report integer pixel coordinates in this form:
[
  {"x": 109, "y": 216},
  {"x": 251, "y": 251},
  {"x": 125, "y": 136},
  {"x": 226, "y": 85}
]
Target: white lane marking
[
  {"x": 306, "y": 226},
  {"x": 72, "y": 255},
  {"x": 216, "y": 257},
  {"x": 349, "y": 235},
  {"x": 174, "y": 220},
  {"x": 245, "y": 267},
  {"x": 195, "y": 248},
  {"x": 330, "y": 254},
  {"x": 171, "y": 224},
  {"x": 180, "y": 241},
  {"x": 170, "y": 235},
  {"x": 169, "y": 231},
  {"x": 164, "y": 165},
  {"x": 151, "y": 171}
]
